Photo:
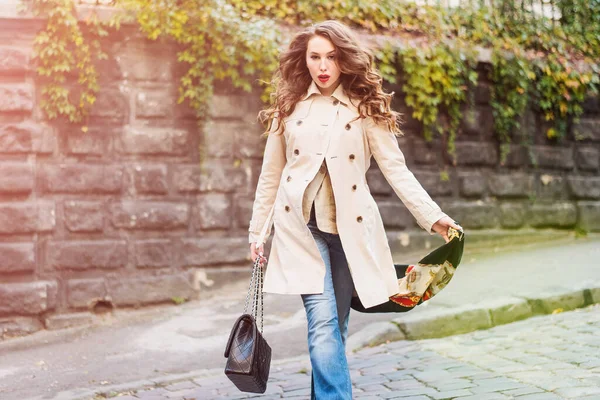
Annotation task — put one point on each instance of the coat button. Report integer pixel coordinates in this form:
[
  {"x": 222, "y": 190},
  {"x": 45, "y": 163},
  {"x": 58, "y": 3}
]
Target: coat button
[
  {"x": 299, "y": 122},
  {"x": 353, "y": 187},
  {"x": 287, "y": 208},
  {"x": 289, "y": 178},
  {"x": 351, "y": 156},
  {"x": 348, "y": 127},
  {"x": 336, "y": 102},
  {"x": 359, "y": 218},
  {"x": 296, "y": 151}
]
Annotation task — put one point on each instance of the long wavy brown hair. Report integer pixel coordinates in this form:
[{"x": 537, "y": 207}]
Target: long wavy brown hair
[{"x": 362, "y": 82}]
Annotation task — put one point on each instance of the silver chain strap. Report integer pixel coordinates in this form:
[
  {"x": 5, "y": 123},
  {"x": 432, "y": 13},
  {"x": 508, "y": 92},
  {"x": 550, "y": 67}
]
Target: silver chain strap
[{"x": 255, "y": 288}]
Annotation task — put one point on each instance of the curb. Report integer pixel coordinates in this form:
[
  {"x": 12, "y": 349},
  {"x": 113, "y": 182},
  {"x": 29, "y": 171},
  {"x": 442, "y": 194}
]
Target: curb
[{"x": 441, "y": 322}]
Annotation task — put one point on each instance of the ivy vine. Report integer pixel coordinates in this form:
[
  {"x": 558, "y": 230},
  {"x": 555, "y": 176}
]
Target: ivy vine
[
  {"x": 536, "y": 62},
  {"x": 67, "y": 48}
]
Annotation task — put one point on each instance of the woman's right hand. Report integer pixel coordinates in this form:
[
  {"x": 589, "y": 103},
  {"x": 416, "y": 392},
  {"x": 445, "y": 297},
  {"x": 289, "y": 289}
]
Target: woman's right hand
[{"x": 257, "y": 252}]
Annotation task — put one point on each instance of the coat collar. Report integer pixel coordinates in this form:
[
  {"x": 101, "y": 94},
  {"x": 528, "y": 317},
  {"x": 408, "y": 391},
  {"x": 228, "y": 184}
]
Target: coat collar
[{"x": 338, "y": 93}]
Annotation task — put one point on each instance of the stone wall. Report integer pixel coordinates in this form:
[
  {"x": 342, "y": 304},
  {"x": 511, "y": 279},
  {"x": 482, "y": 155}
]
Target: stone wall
[{"x": 136, "y": 210}]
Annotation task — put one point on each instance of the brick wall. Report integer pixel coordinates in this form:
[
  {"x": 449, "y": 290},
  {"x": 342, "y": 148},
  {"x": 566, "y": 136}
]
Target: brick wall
[{"x": 125, "y": 214}]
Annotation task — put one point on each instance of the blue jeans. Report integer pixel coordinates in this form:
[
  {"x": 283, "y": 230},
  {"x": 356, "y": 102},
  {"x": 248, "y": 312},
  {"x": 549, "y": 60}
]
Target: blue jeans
[{"x": 328, "y": 314}]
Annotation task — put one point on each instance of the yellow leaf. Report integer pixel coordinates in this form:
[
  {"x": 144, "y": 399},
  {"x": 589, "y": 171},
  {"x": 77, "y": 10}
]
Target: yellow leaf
[{"x": 557, "y": 311}]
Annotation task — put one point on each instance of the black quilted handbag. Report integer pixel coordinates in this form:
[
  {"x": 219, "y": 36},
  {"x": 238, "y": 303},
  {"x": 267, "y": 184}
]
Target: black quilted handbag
[{"x": 248, "y": 353}]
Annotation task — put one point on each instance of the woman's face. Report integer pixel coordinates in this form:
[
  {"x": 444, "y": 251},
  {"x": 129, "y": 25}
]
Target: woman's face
[{"x": 322, "y": 64}]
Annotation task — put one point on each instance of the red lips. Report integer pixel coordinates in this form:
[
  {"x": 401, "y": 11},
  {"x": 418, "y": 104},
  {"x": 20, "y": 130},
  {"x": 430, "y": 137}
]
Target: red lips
[{"x": 323, "y": 78}]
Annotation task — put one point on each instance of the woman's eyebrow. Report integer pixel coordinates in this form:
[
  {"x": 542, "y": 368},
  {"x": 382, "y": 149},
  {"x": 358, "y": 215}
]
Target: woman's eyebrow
[{"x": 314, "y": 52}]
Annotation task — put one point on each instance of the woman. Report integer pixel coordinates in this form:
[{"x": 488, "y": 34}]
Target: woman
[{"x": 329, "y": 117}]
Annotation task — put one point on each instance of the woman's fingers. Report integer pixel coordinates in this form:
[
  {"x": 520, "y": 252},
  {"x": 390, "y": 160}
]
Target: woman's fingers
[
  {"x": 445, "y": 236},
  {"x": 257, "y": 253},
  {"x": 456, "y": 226}
]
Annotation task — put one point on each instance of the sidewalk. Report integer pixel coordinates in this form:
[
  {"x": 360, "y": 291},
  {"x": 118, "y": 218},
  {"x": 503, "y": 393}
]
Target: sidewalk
[
  {"x": 160, "y": 344},
  {"x": 560, "y": 361}
]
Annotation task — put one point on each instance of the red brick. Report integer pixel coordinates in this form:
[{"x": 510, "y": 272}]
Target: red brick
[
  {"x": 476, "y": 153},
  {"x": 25, "y": 298},
  {"x": 149, "y": 215},
  {"x": 149, "y": 289},
  {"x": 95, "y": 142},
  {"x": 154, "y": 253},
  {"x": 19, "y": 326},
  {"x": 84, "y": 293},
  {"x": 214, "y": 251},
  {"x": 13, "y": 60},
  {"x": 111, "y": 106},
  {"x": 84, "y": 216},
  {"x": 77, "y": 178},
  {"x": 86, "y": 254},
  {"x": 27, "y": 217},
  {"x": 139, "y": 62},
  {"x": 145, "y": 140},
  {"x": 554, "y": 157},
  {"x": 16, "y": 97},
  {"x": 217, "y": 177},
  {"x": 154, "y": 103},
  {"x": 213, "y": 211},
  {"x": 16, "y": 178},
  {"x": 62, "y": 321},
  {"x": 17, "y": 257},
  {"x": 151, "y": 179},
  {"x": 27, "y": 137}
]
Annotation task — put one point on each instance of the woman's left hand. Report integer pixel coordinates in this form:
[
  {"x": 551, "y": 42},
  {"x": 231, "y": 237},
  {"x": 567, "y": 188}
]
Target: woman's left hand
[{"x": 442, "y": 225}]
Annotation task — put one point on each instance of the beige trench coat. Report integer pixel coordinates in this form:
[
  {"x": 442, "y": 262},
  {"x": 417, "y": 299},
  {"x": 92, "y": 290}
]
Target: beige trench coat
[{"x": 319, "y": 129}]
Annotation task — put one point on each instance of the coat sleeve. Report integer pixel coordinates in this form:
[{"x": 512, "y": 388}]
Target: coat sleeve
[
  {"x": 384, "y": 147},
  {"x": 274, "y": 160}
]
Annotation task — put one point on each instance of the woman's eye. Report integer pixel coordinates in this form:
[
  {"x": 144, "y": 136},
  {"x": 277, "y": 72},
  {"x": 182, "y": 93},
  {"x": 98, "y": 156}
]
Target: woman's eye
[{"x": 331, "y": 57}]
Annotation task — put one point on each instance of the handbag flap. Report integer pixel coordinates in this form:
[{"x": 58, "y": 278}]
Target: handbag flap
[{"x": 236, "y": 325}]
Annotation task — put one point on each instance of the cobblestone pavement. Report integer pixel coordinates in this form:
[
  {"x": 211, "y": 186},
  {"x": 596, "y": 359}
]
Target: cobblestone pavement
[{"x": 547, "y": 357}]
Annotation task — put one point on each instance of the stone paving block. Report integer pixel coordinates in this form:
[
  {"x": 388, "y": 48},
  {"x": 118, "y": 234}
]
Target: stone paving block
[
  {"x": 405, "y": 385},
  {"x": 400, "y": 374},
  {"x": 298, "y": 392},
  {"x": 522, "y": 391},
  {"x": 452, "y": 384},
  {"x": 377, "y": 388},
  {"x": 370, "y": 380},
  {"x": 513, "y": 367},
  {"x": 451, "y": 394},
  {"x": 495, "y": 385},
  {"x": 577, "y": 392},
  {"x": 569, "y": 357},
  {"x": 425, "y": 391},
  {"x": 485, "y": 396},
  {"x": 432, "y": 376},
  {"x": 591, "y": 380},
  {"x": 534, "y": 360},
  {"x": 540, "y": 396}
]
